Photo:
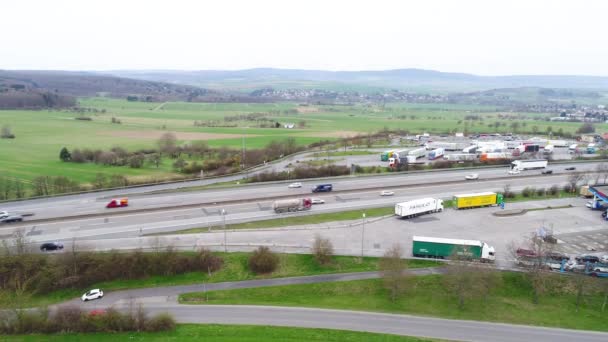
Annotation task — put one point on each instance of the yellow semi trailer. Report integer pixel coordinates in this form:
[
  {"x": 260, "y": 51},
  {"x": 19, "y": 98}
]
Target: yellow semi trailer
[{"x": 481, "y": 199}]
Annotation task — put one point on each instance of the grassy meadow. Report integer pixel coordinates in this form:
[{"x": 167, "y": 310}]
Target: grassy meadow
[{"x": 41, "y": 134}]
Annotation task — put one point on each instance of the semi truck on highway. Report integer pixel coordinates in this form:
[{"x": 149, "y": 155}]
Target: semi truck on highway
[
  {"x": 476, "y": 200},
  {"x": 418, "y": 207},
  {"x": 118, "y": 202},
  {"x": 442, "y": 248},
  {"x": 530, "y": 164},
  {"x": 291, "y": 205}
]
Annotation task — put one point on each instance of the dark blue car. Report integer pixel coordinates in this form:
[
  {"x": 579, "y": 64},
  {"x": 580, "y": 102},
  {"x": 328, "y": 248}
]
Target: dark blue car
[{"x": 322, "y": 188}]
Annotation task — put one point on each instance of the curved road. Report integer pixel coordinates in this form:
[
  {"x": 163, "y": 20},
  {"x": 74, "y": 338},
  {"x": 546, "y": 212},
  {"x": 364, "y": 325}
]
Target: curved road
[{"x": 164, "y": 299}]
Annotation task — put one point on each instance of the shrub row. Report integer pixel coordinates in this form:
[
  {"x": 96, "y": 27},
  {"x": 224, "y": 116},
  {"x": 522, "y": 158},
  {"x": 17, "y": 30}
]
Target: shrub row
[
  {"x": 72, "y": 319},
  {"x": 41, "y": 274}
]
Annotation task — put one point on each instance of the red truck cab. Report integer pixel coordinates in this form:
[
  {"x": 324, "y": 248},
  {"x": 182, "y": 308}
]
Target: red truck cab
[{"x": 118, "y": 203}]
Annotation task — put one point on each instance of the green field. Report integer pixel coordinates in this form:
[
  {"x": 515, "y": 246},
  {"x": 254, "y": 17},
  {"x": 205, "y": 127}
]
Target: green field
[
  {"x": 41, "y": 134},
  {"x": 235, "y": 269},
  {"x": 510, "y": 302},
  {"x": 224, "y": 333}
]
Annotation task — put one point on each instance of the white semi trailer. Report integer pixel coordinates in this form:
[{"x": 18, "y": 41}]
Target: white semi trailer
[
  {"x": 530, "y": 164},
  {"x": 418, "y": 207}
]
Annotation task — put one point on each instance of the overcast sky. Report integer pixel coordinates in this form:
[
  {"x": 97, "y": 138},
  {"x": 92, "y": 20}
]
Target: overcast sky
[{"x": 483, "y": 37}]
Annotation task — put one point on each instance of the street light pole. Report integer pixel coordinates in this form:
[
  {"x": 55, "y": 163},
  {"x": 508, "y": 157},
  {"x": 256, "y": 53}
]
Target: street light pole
[
  {"x": 362, "y": 234},
  {"x": 224, "y": 227}
]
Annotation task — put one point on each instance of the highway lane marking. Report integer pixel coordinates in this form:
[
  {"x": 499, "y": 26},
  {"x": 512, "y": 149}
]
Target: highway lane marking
[{"x": 114, "y": 217}]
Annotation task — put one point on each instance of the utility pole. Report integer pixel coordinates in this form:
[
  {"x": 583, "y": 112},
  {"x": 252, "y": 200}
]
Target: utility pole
[
  {"x": 243, "y": 150},
  {"x": 224, "y": 227},
  {"x": 362, "y": 235}
]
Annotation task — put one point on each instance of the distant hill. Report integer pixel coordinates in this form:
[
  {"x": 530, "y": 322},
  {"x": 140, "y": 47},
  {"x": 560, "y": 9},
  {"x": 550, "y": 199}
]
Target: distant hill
[
  {"x": 63, "y": 85},
  {"x": 406, "y": 79}
]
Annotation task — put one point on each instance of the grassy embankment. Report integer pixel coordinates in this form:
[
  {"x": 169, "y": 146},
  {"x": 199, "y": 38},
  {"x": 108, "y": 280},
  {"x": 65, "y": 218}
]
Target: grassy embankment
[
  {"x": 224, "y": 333},
  {"x": 349, "y": 215},
  {"x": 234, "y": 269},
  {"x": 509, "y": 302}
]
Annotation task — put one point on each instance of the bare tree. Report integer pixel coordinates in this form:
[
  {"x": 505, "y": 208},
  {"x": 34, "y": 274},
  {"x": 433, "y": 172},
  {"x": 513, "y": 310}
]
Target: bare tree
[
  {"x": 574, "y": 179},
  {"x": 602, "y": 172},
  {"x": 582, "y": 285},
  {"x": 322, "y": 249},
  {"x": 460, "y": 277},
  {"x": 167, "y": 143},
  {"x": 394, "y": 272},
  {"x": 531, "y": 255}
]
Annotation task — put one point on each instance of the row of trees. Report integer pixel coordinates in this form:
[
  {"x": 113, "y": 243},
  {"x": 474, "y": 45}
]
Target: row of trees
[
  {"x": 24, "y": 272},
  {"x": 73, "y": 319}
]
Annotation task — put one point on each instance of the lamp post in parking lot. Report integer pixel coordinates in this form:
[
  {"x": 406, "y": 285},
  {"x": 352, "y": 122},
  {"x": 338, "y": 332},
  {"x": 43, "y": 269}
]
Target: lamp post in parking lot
[{"x": 362, "y": 235}]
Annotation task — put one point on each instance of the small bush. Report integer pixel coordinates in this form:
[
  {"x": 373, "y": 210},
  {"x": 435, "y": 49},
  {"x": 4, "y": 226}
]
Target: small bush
[
  {"x": 160, "y": 322},
  {"x": 263, "y": 261},
  {"x": 567, "y": 188},
  {"x": 527, "y": 192},
  {"x": 541, "y": 192},
  {"x": 554, "y": 190},
  {"x": 323, "y": 250},
  {"x": 207, "y": 262}
]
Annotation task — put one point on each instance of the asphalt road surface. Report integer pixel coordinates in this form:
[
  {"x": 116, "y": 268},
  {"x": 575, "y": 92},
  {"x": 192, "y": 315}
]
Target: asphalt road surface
[
  {"x": 164, "y": 299},
  {"x": 138, "y": 223},
  {"x": 141, "y": 198}
]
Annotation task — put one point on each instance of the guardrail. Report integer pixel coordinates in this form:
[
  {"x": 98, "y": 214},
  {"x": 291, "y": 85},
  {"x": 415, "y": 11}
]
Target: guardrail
[{"x": 262, "y": 166}]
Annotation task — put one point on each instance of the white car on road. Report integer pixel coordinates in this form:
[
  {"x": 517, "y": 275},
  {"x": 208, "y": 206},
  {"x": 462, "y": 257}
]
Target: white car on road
[
  {"x": 295, "y": 185},
  {"x": 92, "y": 294},
  {"x": 472, "y": 176},
  {"x": 317, "y": 201},
  {"x": 387, "y": 193}
]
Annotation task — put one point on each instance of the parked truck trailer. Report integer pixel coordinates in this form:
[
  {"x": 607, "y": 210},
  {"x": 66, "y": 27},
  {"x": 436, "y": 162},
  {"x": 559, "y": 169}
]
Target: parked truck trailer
[
  {"x": 442, "y": 248},
  {"x": 436, "y": 153},
  {"x": 418, "y": 207},
  {"x": 476, "y": 200},
  {"x": 293, "y": 204},
  {"x": 460, "y": 157}
]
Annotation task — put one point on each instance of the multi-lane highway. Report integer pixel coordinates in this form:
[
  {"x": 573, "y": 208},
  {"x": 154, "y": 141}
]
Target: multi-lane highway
[{"x": 164, "y": 212}]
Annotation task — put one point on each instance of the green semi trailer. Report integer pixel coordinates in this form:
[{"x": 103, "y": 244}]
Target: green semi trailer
[{"x": 441, "y": 248}]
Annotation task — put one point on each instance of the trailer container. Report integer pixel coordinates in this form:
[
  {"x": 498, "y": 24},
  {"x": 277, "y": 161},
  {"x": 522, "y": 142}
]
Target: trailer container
[
  {"x": 530, "y": 164},
  {"x": 291, "y": 205},
  {"x": 418, "y": 207},
  {"x": 470, "y": 149},
  {"x": 460, "y": 157},
  {"x": 442, "y": 248},
  {"x": 481, "y": 199},
  {"x": 447, "y": 146},
  {"x": 558, "y": 143},
  {"x": 384, "y": 156},
  {"x": 436, "y": 153},
  {"x": 417, "y": 153},
  {"x": 485, "y": 157}
]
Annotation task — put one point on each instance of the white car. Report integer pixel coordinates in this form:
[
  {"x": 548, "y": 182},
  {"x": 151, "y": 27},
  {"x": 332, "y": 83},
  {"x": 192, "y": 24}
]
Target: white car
[
  {"x": 514, "y": 172},
  {"x": 92, "y": 294},
  {"x": 317, "y": 201},
  {"x": 387, "y": 193},
  {"x": 3, "y": 214},
  {"x": 604, "y": 259},
  {"x": 295, "y": 185},
  {"x": 472, "y": 176}
]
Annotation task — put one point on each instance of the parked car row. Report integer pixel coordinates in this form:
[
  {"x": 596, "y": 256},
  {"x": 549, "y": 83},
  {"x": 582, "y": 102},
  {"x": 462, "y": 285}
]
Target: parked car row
[{"x": 556, "y": 260}]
